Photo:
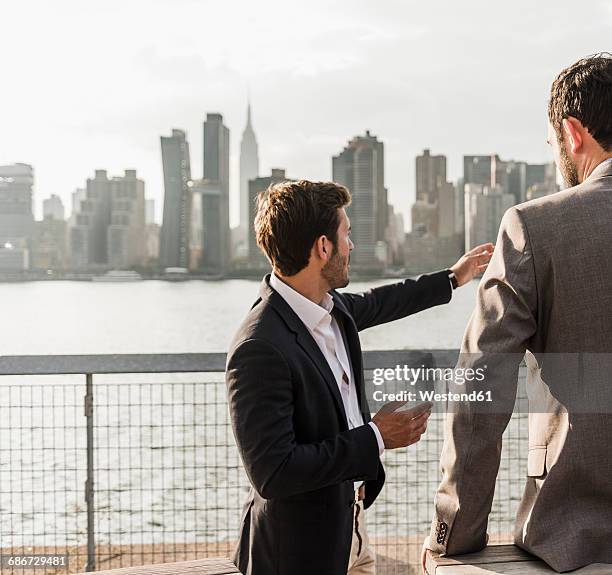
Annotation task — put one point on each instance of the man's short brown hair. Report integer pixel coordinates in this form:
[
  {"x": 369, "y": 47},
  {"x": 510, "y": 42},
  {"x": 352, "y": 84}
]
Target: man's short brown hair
[
  {"x": 584, "y": 91},
  {"x": 292, "y": 215}
]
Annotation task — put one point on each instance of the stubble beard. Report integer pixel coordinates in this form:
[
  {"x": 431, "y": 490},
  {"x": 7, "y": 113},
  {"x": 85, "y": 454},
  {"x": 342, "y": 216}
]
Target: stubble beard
[
  {"x": 335, "y": 270},
  {"x": 567, "y": 167}
]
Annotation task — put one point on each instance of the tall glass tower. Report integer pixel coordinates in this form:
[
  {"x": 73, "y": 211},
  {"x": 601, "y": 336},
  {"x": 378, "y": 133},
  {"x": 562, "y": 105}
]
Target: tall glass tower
[{"x": 174, "y": 240}]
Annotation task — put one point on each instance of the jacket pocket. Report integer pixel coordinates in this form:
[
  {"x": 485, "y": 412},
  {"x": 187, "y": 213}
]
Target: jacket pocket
[{"x": 536, "y": 462}]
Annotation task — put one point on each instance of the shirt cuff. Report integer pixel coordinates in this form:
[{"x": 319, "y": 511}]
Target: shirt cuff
[
  {"x": 450, "y": 281},
  {"x": 381, "y": 443}
]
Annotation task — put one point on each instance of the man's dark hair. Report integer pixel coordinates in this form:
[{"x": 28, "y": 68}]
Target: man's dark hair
[
  {"x": 292, "y": 215},
  {"x": 584, "y": 91}
]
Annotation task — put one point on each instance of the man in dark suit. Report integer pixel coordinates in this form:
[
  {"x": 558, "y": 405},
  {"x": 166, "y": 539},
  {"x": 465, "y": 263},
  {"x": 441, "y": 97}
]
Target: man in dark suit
[{"x": 296, "y": 392}]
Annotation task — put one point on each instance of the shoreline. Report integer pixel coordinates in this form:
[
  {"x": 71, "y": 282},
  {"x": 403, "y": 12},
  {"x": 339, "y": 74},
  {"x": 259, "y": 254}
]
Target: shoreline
[{"x": 93, "y": 277}]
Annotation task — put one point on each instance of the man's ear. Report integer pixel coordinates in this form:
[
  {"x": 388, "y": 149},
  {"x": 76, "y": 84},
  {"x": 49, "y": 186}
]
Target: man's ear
[
  {"x": 321, "y": 248},
  {"x": 573, "y": 129}
]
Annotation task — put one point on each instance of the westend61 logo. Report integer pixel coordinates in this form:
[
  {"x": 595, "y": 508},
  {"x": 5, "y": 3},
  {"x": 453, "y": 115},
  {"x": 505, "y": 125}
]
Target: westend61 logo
[{"x": 414, "y": 376}]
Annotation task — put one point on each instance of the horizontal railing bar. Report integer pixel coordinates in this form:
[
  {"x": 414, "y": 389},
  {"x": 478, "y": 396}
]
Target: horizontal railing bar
[
  {"x": 389, "y": 358},
  {"x": 189, "y": 362},
  {"x": 112, "y": 363}
]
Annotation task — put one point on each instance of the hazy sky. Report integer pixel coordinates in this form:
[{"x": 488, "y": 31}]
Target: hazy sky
[{"x": 93, "y": 84}]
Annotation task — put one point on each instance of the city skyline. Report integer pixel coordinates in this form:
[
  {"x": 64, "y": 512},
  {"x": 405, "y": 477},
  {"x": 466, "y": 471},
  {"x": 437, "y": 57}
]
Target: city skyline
[
  {"x": 482, "y": 87},
  {"x": 112, "y": 225}
]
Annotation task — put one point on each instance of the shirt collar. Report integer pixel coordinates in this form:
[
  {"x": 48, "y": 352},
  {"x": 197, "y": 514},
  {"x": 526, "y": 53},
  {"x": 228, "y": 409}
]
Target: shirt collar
[{"x": 310, "y": 313}]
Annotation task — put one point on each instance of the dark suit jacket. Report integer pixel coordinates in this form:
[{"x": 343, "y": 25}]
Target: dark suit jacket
[{"x": 291, "y": 430}]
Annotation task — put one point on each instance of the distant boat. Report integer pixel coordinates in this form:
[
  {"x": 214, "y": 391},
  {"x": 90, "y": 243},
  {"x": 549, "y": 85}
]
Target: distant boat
[
  {"x": 176, "y": 274},
  {"x": 118, "y": 276}
]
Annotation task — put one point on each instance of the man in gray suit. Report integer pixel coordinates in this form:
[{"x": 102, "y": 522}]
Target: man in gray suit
[{"x": 547, "y": 292}]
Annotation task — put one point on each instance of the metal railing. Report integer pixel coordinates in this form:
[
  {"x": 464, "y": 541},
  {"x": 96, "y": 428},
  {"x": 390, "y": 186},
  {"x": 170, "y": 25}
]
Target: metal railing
[{"x": 124, "y": 460}]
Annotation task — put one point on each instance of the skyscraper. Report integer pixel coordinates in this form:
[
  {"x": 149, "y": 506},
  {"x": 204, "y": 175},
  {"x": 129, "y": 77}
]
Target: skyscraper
[
  {"x": 210, "y": 235},
  {"x": 433, "y": 212},
  {"x": 430, "y": 176},
  {"x": 53, "y": 207},
  {"x": 249, "y": 168},
  {"x": 149, "y": 211},
  {"x": 545, "y": 187},
  {"x": 478, "y": 170},
  {"x": 126, "y": 232},
  {"x": 79, "y": 195},
  {"x": 433, "y": 242},
  {"x": 16, "y": 217},
  {"x": 174, "y": 240},
  {"x": 484, "y": 209},
  {"x": 396, "y": 237},
  {"x": 446, "y": 210},
  {"x": 511, "y": 176},
  {"x": 360, "y": 167},
  {"x": 89, "y": 238},
  {"x": 538, "y": 174},
  {"x": 110, "y": 229},
  {"x": 216, "y": 169},
  {"x": 50, "y": 245}
]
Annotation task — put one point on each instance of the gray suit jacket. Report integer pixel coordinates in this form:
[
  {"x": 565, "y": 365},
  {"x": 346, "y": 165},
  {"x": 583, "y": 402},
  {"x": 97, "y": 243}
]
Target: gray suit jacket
[{"x": 547, "y": 292}]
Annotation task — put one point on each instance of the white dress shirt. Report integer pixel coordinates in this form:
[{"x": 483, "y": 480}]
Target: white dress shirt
[{"x": 325, "y": 331}]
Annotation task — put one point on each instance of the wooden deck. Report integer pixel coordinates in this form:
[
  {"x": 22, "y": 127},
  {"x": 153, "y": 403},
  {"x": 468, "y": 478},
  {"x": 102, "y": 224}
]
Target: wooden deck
[
  {"x": 500, "y": 559},
  {"x": 213, "y": 566}
]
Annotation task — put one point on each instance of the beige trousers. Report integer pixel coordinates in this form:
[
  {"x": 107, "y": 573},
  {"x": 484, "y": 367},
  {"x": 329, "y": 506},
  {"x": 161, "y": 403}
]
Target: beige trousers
[{"x": 362, "y": 560}]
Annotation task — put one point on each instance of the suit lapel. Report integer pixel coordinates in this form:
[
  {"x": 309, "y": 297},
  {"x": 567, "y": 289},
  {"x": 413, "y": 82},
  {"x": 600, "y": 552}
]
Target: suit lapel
[
  {"x": 309, "y": 345},
  {"x": 350, "y": 337},
  {"x": 306, "y": 342}
]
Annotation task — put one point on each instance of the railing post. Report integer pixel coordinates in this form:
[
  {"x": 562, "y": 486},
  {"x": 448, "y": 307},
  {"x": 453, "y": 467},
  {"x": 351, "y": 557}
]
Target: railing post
[{"x": 89, "y": 482}]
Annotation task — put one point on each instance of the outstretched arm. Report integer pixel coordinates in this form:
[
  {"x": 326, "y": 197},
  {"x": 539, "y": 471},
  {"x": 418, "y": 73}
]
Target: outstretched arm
[{"x": 395, "y": 301}]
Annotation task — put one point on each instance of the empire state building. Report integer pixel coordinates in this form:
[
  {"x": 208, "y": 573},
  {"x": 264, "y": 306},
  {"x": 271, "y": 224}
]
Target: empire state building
[{"x": 249, "y": 170}]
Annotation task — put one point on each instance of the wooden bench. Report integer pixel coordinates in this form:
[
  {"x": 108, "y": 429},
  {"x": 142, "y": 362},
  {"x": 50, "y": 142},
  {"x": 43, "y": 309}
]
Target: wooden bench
[
  {"x": 500, "y": 559},
  {"x": 213, "y": 566}
]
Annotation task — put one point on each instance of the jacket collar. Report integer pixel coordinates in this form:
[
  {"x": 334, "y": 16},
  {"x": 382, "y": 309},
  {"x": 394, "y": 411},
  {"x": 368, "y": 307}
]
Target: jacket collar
[
  {"x": 602, "y": 169},
  {"x": 310, "y": 313},
  {"x": 295, "y": 324}
]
